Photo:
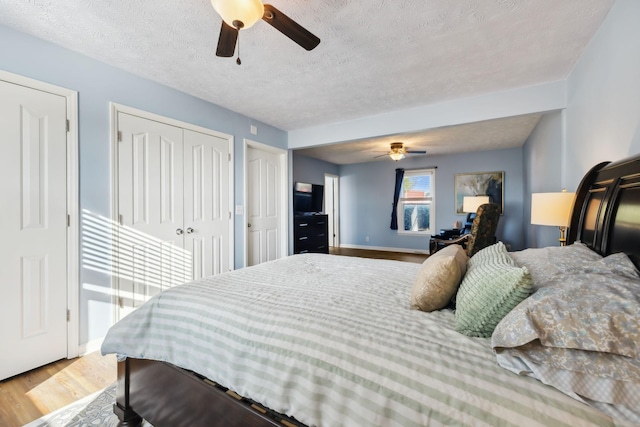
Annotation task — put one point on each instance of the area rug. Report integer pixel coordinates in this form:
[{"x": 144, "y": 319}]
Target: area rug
[{"x": 94, "y": 410}]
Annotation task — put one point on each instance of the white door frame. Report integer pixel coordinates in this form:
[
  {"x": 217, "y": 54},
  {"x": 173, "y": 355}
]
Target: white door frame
[
  {"x": 119, "y": 108},
  {"x": 336, "y": 207},
  {"x": 284, "y": 195},
  {"x": 73, "y": 235}
]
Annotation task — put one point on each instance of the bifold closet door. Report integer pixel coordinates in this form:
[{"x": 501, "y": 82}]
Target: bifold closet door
[
  {"x": 174, "y": 214},
  {"x": 33, "y": 225},
  {"x": 149, "y": 256}
]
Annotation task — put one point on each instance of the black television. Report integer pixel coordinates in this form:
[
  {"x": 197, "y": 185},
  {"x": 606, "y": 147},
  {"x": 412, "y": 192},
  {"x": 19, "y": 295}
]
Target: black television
[{"x": 307, "y": 198}]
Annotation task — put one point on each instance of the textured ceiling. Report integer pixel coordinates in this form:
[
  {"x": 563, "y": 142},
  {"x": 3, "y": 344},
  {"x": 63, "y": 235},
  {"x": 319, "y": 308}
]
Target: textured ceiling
[{"x": 375, "y": 56}]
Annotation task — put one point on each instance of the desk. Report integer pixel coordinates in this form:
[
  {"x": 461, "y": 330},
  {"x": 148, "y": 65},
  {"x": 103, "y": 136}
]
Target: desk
[
  {"x": 436, "y": 241},
  {"x": 447, "y": 234}
]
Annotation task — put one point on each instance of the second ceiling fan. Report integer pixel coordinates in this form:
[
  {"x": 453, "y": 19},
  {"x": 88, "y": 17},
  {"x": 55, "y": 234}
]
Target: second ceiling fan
[
  {"x": 242, "y": 14},
  {"x": 398, "y": 152}
]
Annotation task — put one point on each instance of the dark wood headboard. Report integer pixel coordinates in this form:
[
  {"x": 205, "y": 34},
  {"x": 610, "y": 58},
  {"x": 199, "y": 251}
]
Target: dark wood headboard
[{"x": 606, "y": 213}]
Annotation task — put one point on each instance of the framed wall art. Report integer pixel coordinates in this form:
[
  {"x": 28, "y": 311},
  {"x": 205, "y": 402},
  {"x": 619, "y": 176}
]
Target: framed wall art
[{"x": 479, "y": 184}]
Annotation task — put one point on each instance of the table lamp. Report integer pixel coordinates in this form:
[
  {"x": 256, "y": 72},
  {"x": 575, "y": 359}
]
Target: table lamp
[{"x": 552, "y": 209}]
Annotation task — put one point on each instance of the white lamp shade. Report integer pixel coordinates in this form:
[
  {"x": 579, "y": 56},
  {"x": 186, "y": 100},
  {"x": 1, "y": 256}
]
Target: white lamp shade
[
  {"x": 246, "y": 11},
  {"x": 551, "y": 208},
  {"x": 397, "y": 156},
  {"x": 470, "y": 204}
]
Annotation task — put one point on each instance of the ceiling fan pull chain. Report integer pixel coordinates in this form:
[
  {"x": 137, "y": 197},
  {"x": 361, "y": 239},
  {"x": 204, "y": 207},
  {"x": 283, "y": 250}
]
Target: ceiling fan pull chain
[{"x": 238, "y": 60}]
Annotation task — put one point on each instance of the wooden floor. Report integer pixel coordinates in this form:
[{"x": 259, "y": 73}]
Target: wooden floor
[
  {"x": 27, "y": 397},
  {"x": 366, "y": 253}
]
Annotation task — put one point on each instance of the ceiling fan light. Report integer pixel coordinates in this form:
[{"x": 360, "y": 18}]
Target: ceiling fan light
[
  {"x": 246, "y": 11},
  {"x": 396, "y": 156}
]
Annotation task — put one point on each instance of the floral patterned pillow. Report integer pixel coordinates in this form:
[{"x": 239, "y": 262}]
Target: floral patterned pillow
[
  {"x": 595, "y": 307},
  {"x": 608, "y": 382},
  {"x": 545, "y": 264},
  {"x": 593, "y": 363}
]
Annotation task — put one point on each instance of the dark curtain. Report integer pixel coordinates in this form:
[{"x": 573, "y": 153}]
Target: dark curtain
[{"x": 396, "y": 197}]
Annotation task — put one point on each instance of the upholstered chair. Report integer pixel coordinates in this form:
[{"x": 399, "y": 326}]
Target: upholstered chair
[{"x": 481, "y": 235}]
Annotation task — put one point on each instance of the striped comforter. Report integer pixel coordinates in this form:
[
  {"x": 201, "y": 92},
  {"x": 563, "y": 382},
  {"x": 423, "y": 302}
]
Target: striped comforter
[{"x": 331, "y": 341}]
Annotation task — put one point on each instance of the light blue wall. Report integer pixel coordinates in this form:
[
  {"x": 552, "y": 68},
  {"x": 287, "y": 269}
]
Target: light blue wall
[
  {"x": 308, "y": 169},
  {"x": 602, "y": 117},
  {"x": 543, "y": 153},
  {"x": 366, "y": 196},
  {"x": 603, "y": 94},
  {"x": 97, "y": 85}
]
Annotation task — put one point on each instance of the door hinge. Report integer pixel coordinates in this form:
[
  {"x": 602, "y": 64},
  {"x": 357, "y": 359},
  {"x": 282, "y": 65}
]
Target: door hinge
[
  {"x": 229, "y": 214},
  {"x": 121, "y": 302},
  {"x": 68, "y": 220},
  {"x": 229, "y": 155},
  {"x": 68, "y": 315},
  {"x": 68, "y": 125},
  {"x": 120, "y": 219},
  {"x": 119, "y": 136}
]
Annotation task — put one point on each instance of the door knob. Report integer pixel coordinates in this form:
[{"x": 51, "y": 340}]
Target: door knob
[
  {"x": 179, "y": 231},
  {"x": 190, "y": 230},
  {"x": 249, "y": 225}
]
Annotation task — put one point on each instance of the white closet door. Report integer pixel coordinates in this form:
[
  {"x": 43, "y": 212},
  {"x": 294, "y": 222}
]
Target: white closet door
[
  {"x": 206, "y": 202},
  {"x": 263, "y": 189},
  {"x": 33, "y": 225},
  {"x": 149, "y": 255}
]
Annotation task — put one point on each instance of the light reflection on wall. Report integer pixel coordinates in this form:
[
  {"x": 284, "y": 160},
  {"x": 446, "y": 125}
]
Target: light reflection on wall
[{"x": 142, "y": 264}]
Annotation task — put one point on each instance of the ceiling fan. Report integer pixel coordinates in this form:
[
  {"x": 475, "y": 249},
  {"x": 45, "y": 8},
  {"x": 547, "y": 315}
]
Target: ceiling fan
[
  {"x": 242, "y": 14},
  {"x": 398, "y": 151}
]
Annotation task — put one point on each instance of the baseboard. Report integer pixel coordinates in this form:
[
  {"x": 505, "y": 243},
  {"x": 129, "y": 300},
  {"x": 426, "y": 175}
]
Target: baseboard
[
  {"x": 90, "y": 347},
  {"x": 380, "y": 248}
]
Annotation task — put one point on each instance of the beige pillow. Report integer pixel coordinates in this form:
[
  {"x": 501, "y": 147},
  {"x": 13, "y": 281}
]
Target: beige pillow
[{"x": 439, "y": 278}]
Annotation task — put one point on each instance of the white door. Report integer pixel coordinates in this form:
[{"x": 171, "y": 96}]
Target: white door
[
  {"x": 206, "y": 202},
  {"x": 332, "y": 207},
  {"x": 33, "y": 224},
  {"x": 263, "y": 198},
  {"x": 148, "y": 250}
]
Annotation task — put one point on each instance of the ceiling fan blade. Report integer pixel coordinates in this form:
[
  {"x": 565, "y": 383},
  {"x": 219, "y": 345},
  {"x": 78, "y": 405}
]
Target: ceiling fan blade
[
  {"x": 227, "y": 41},
  {"x": 381, "y": 155},
  {"x": 415, "y": 152},
  {"x": 289, "y": 27}
]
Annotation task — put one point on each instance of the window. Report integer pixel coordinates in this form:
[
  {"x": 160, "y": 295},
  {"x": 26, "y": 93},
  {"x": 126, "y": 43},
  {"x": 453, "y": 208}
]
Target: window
[{"x": 416, "y": 206}]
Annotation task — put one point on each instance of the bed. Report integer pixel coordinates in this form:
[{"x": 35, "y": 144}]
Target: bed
[{"x": 326, "y": 340}]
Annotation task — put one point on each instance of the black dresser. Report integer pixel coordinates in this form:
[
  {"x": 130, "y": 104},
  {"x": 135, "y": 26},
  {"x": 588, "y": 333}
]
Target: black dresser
[{"x": 310, "y": 234}]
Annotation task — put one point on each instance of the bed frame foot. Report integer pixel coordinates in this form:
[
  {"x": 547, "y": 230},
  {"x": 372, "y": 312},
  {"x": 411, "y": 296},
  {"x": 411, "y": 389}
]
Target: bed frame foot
[
  {"x": 127, "y": 417},
  {"x": 122, "y": 408}
]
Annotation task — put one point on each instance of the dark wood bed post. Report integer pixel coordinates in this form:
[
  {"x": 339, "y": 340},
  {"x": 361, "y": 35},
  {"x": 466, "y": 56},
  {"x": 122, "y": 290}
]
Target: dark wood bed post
[
  {"x": 605, "y": 214},
  {"x": 579, "y": 204},
  {"x": 122, "y": 407}
]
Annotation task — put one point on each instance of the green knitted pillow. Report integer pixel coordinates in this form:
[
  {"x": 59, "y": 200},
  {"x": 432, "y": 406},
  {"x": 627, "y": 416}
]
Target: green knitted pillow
[
  {"x": 492, "y": 253},
  {"x": 488, "y": 292}
]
